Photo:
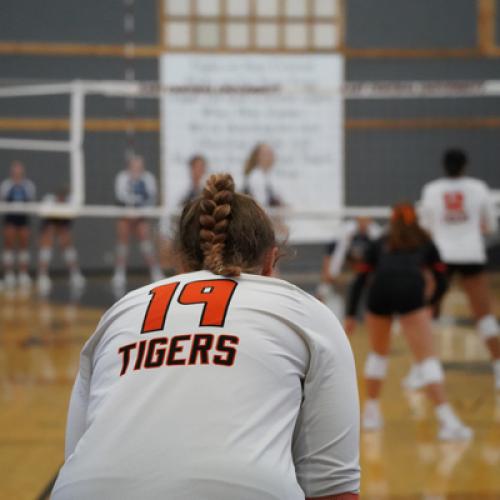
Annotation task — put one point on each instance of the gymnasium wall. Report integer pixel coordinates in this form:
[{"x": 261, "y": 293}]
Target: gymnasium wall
[{"x": 383, "y": 165}]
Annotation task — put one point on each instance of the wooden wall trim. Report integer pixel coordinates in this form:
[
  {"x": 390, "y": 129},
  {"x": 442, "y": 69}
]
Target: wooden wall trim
[
  {"x": 486, "y": 32},
  {"x": 91, "y": 124},
  {"x": 79, "y": 49},
  {"x": 154, "y": 51},
  {"x": 153, "y": 124},
  {"x": 422, "y": 123}
]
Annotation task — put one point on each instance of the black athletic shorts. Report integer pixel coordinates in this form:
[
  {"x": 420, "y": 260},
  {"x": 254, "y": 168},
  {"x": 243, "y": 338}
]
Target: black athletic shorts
[
  {"x": 465, "y": 269},
  {"x": 396, "y": 294},
  {"x": 17, "y": 220},
  {"x": 57, "y": 222}
]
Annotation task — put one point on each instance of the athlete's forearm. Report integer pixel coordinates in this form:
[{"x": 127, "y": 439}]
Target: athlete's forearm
[{"x": 340, "y": 496}]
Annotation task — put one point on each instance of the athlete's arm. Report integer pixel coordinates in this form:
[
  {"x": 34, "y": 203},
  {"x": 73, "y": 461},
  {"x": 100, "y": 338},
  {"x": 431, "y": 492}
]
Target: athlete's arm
[
  {"x": 425, "y": 209},
  {"x": 121, "y": 193},
  {"x": 438, "y": 269},
  {"x": 152, "y": 189},
  {"x": 77, "y": 415},
  {"x": 4, "y": 190},
  {"x": 31, "y": 191},
  {"x": 363, "y": 270},
  {"x": 489, "y": 218},
  {"x": 326, "y": 439}
]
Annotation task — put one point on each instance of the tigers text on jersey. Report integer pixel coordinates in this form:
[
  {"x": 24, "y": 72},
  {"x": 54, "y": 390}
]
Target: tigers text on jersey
[
  {"x": 204, "y": 387},
  {"x": 457, "y": 211}
]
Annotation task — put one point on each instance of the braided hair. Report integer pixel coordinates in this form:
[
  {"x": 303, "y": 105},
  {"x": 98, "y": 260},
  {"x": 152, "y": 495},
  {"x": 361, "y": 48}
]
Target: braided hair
[{"x": 223, "y": 231}]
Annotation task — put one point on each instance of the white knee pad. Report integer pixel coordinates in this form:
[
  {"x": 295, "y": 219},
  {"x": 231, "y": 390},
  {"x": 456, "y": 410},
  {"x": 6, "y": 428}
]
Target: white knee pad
[
  {"x": 488, "y": 327},
  {"x": 45, "y": 255},
  {"x": 431, "y": 371},
  {"x": 23, "y": 257},
  {"x": 8, "y": 258},
  {"x": 70, "y": 255},
  {"x": 146, "y": 248},
  {"x": 122, "y": 250},
  {"x": 375, "y": 366}
]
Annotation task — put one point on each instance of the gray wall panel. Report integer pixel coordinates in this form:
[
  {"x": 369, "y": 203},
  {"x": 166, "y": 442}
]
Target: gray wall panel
[
  {"x": 411, "y": 23},
  {"x": 91, "y": 21}
]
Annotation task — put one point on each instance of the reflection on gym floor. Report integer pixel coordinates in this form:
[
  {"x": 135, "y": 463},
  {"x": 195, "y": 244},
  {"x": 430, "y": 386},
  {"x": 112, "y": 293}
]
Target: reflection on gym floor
[{"x": 40, "y": 341}]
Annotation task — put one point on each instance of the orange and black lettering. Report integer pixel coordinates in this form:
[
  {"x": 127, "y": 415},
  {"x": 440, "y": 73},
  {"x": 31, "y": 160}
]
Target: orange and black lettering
[
  {"x": 155, "y": 357},
  {"x": 158, "y": 307},
  {"x": 175, "y": 348},
  {"x": 227, "y": 345},
  {"x": 201, "y": 345},
  {"x": 125, "y": 352},
  {"x": 140, "y": 354},
  {"x": 214, "y": 294}
]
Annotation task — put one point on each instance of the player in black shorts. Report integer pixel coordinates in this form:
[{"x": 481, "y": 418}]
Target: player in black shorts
[
  {"x": 16, "y": 230},
  {"x": 59, "y": 228},
  {"x": 404, "y": 275}
]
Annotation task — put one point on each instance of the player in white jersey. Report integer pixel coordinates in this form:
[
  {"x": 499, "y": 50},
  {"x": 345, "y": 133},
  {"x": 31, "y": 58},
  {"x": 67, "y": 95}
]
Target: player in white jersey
[
  {"x": 222, "y": 383},
  {"x": 16, "y": 230},
  {"x": 258, "y": 178},
  {"x": 134, "y": 187},
  {"x": 458, "y": 211}
]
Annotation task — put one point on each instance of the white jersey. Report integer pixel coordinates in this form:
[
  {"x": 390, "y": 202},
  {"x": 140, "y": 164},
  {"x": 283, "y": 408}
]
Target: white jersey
[
  {"x": 239, "y": 388},
  {"x": 17, "y": 192},
  {"x": 135, "y": 192},
  {"x": 261, "y": 186},
  {"x": 457, "y": 211}
]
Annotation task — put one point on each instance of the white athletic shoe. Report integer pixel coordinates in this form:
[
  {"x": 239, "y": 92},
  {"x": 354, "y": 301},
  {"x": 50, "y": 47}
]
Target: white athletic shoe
[
  {"x": 24, "y": 280},
  {"x": 10, "y": 281},
  {"x": 77, "y": 280},
  {"x": 455, "y": 432},
  {"x": 372, "y": 418},
  {"x": 413, "y": 381},
  {"x": 44, "y": 285}
]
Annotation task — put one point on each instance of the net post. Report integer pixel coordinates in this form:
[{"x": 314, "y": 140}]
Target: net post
[{"x": 76, "y": 134}]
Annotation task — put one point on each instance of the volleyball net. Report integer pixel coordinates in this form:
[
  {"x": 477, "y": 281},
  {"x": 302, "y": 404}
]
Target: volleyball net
[{"x": 393, "y": 136}]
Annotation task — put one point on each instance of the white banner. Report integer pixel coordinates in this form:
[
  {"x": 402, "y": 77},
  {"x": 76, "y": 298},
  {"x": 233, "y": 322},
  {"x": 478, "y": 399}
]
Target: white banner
[{"x": 223, "y": 105}]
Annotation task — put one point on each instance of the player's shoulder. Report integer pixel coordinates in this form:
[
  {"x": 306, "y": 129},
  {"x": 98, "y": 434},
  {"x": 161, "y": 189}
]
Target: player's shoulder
[
  {"x": 122, "y": 174},
  {"x": 29, "y": 184},
  {"x": 434, "y": 185},
  {"x": 298, "y": 307},
  {"x": 474, "y": 183}
]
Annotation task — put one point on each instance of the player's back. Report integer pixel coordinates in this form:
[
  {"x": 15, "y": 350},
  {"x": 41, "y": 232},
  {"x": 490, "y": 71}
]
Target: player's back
[
  {"x": 195, "y": 387},
  {"x": 454, "y": 210}
]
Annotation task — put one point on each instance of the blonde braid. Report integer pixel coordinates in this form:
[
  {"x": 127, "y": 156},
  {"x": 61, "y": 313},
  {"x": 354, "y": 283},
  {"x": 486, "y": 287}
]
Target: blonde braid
[{"x": 215, "y": 218}]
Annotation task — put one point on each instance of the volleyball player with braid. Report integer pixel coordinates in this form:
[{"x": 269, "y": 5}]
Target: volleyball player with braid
[{"x": 220, "y": 383}]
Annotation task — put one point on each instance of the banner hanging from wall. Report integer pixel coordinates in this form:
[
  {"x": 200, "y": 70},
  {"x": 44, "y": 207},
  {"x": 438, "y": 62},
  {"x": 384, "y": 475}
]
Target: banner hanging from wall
[{"x": 222, "y": 106}]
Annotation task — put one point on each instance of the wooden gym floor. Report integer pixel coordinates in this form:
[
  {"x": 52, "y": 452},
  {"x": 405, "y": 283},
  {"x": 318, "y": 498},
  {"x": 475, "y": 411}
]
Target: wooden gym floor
[{"x": 39, "y": 350}]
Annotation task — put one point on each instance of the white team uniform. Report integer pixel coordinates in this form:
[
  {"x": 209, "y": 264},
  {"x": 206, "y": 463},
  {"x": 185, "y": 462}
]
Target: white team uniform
[
  {"x": 261, "y": 186},
  {"x": 132, "y": 192},
  {"x": 268, "y": 412},
  {"x": 457, "y": 211},
  {"x": 23, "y": 191}
]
